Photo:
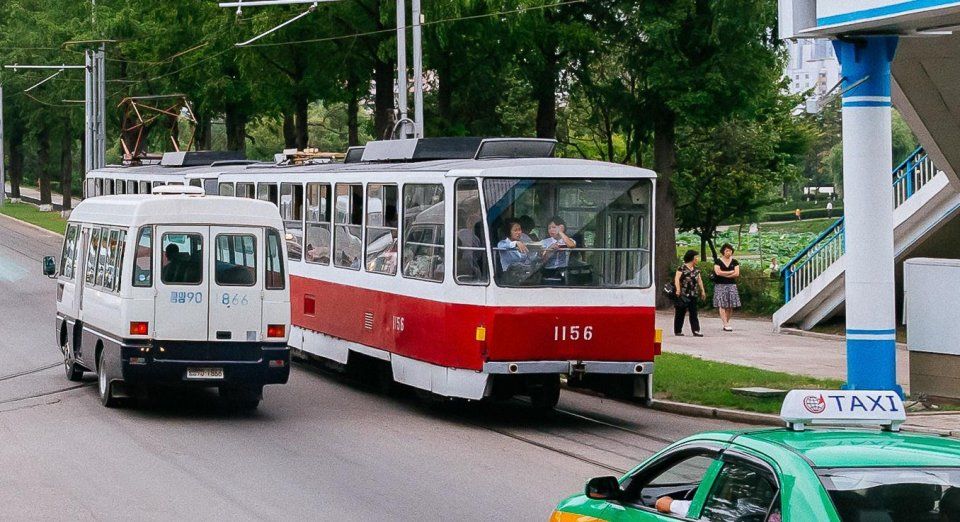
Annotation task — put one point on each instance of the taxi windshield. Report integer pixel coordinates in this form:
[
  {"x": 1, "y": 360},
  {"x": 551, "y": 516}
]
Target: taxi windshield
[
  {"x": 894, "y": 494},
  {"x": 570, "y": 232}
]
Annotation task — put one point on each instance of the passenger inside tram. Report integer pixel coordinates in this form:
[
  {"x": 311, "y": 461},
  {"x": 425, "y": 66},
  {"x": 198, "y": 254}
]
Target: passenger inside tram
[{"x": 516, "y": 258}]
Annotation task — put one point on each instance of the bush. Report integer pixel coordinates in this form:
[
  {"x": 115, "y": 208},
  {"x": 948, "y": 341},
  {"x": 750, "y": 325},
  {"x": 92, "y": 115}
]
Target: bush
[
  {"x": 759, "y": 293},
  {"x": 814, "y": 213}
]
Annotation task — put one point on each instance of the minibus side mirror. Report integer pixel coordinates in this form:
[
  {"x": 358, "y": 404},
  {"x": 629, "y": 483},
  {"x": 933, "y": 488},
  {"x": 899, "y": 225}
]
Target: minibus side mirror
[{"x": 49, "y": 266}]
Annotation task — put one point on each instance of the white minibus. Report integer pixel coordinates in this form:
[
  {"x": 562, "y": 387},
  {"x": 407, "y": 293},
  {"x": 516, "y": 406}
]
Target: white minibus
[{"x": 175, "y": 288}]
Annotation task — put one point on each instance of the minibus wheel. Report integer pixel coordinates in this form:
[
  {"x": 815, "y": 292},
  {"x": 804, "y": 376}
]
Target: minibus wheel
[
  {"x": 104, "y": 386},
  {"x": 73, "y": 370}
]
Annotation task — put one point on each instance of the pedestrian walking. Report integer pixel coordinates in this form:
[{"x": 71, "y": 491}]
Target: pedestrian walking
[
  {"x": 689, "y": 286},
  {"x": 726, "y": 270},
  {"x": 797, "y": 213},
  {"x": 829, "y": 208}
]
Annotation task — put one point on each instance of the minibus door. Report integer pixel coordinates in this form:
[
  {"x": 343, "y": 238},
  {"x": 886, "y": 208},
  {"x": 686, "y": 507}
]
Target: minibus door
[
  {"x": 182, "y": 301},
  {"x": 236, "y": 288}
]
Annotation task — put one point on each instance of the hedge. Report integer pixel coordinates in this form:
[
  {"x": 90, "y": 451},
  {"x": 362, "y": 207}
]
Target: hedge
[{"x": 805, "y": 214}]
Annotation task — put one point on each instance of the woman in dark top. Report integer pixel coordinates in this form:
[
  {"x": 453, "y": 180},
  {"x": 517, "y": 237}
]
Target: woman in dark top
[
  {"x": 726, "y": 270},
  {"x": 689, "y": 286}
]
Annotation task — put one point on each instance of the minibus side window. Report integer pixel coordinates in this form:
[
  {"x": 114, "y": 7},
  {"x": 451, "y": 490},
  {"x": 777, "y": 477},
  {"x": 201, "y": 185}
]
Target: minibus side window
[
  {"x": 236, "y": 260},
  {"x": 226, "y": 189},
  {"x": 291, "y": 210},
  {"x": 423, "y": 225},
  {"x": 111, "y": 263},
  {"x": 196, "y": 183},
  {"x": 104, "y": 255},
  {"x": 245, "y": 190},
  {"x": 145, "y": 187},
  {"x": 143, "y": 259},
  {"x": 118, "y": 260},
  {"x": 471, "y": 259},
  {"x": 381, "y": 256},
  {"x": 348, "y": 230},
  {"x": 318, "y": 224},
  {"x": 274, "y": 279},
  {"x": 182, "y": 259},
  {"x": 67, "y": 255},
  {"x": 91, "y": 274}
]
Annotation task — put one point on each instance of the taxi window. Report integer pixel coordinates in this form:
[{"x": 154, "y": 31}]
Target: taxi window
[
  {"x": 741, "y": 492},
  {"x": 894, "y": 494},
  {"x": 678, "y": 477}
]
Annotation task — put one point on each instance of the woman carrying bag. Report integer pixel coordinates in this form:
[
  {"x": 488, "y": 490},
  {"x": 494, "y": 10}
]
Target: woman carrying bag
[
  {"x": 726, "y": 270},
  {"x": 687, "y": 282}
]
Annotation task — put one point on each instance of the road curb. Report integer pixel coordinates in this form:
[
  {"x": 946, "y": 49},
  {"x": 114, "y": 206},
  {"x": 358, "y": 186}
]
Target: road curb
[
  {"x": 31, "y": 225},
  {"x": 696, "y": 410},
  {"x": 825, "y": 336}
]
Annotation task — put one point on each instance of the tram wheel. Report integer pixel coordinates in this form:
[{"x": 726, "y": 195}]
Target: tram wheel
[
  {"x": 104, "y": 386},
  {"x": 544, "y": 392},
  {"x": 73, "y": 370}
]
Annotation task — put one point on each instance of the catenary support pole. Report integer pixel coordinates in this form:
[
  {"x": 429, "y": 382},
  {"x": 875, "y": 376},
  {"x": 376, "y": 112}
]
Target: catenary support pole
[
  {"x": 417, "y": 69},
  {"x": 868, "y": 213},
  {"x": 402, "y": 64},
  {"x": 88, "y": 125},
  {"x": 3, "y": 172}
]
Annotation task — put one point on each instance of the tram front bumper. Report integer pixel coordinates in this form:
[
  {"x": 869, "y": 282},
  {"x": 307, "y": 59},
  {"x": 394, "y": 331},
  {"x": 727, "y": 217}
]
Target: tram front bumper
[
  {"x": 206, "y": 364},
  {"x": 568, "y": 367}
]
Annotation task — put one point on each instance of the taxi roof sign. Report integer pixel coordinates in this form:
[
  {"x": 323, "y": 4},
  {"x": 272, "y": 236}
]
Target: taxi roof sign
[{"x": 843, "y": 407}]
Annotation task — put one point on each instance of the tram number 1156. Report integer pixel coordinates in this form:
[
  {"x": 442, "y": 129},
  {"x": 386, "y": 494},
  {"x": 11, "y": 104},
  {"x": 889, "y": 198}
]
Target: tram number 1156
[{"x": 572, "y": 333}]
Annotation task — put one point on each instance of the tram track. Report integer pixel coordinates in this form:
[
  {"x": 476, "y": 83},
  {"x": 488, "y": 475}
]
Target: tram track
[
  {"x": 28, "y": 372},
  {"x": 47, "y": 393}
]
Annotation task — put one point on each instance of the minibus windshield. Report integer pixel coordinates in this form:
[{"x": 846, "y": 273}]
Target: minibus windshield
[{"x": 592, "y": 233}]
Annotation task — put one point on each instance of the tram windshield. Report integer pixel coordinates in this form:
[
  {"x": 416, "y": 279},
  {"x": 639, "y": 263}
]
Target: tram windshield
[{"x": 570, "y": 232}]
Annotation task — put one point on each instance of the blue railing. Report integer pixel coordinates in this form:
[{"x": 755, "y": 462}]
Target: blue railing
[{"x": 908, "y": 177}]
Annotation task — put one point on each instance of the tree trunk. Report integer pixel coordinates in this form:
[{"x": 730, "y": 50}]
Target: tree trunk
[
  {"x": 204, "y": 132},
  {"x": 303, "y": 127},
  {"x": 43, "y": 160},
  {"x": 289, "y": 131},
  {"x": 66, "y": 169},
  {"x": 665, "y": 161},
  {"x": 353, "y": 125},
  {"x": 547, "y": 97},
  {"x": 236, "y": 123},
  {"x": 16, "y": 164},
  {"x": 383, "y": 113}
]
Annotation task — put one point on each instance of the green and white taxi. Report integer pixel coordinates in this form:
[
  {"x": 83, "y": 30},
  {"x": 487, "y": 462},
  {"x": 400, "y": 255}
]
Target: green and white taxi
[{"x": 790, "y": 474}]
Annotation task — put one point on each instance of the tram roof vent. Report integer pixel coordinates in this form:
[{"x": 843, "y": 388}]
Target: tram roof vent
[
  {"x": 199, "y": 158},
  {"x": 427, "y": 149}
]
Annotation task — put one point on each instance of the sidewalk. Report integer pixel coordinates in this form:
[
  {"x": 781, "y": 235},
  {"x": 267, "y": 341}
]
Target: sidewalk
[
  {"x": 32, "y": 194},
  {"x": 754, "y": 343}
]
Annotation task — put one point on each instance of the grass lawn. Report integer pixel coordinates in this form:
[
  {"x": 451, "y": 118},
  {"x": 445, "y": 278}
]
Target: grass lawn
[
  {"x": 814, "y": 226},
  {"x": 29, "y": 213},
  {"x": 684, "y": 378}
]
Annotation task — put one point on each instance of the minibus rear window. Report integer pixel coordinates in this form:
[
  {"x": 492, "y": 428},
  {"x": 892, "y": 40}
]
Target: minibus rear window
[
  {"x": 236, "y": 260},
  {"x": 143, "y": 260},
  {"x": 182, "y": 259},
  {"x": 275, "y": 278}
]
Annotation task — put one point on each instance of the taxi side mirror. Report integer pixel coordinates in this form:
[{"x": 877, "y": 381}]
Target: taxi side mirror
[
  {"x": 49, "y": 266},
  {"x": 603, "y": 488}
]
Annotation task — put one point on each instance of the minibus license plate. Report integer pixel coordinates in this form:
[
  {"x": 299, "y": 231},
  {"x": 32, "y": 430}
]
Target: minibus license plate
[{"x": 204, "y": 373}]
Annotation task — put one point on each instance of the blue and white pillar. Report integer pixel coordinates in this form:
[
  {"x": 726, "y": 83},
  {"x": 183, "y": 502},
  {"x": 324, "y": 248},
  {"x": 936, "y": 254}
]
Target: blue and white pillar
[{"x": 868, "y": 212}]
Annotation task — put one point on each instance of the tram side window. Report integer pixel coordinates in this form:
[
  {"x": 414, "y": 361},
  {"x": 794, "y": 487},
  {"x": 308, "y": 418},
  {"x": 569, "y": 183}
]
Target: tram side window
[
  {"x": 98, "y": 190},
  {"x": 69, "y": 252},
  {"x": 120, "y": 187},
  {"x": 226, "y": 189},
  {"x": 318, "y": 224},
  {"x": 143, "y": 259},
  {"x": 267, "y": 192},
  {"x": 89, "y": 188},
  {"x": 108, "y": 187},
  {"x": 210, "y": 187},
  {"x": 196, "y": 182},
  {"x": 145, "y": 187},
  {"x": 423, "y": 224},
  {"x": 110, "y": 266},
  {"x": 275, "y": 277},
  {"x": 471, "y": 259},
  {"x": 92, "y": 251},
  {"x": 348, "y": 222},
  {"x": 131, "y": 187},
  {"x": 158, "y": 184},
  {"x": 245, "y": 190},
  {"x": 182, "y": 259},
  {"x": 382, "y": 222},
  {"x": 291, "y": 210},
  {"x": 236, "y": 260}
]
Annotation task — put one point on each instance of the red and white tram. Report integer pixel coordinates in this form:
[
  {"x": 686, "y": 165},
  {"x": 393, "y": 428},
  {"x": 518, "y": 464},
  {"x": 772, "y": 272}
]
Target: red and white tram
[{"x": 400, "y": 259}]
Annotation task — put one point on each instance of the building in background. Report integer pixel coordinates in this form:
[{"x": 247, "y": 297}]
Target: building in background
[{"x": 812, "y": 65}]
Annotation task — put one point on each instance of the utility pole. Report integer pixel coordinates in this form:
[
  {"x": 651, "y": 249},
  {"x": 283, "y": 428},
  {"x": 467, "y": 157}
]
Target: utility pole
[
  {"x": 408, "y": 127},
  {"x": 3, "y": 172},
  {"x": 94, "y": 104}
]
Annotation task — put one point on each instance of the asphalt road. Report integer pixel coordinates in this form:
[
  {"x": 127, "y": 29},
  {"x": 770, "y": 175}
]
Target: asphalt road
[{"x": 321, "y": 447}]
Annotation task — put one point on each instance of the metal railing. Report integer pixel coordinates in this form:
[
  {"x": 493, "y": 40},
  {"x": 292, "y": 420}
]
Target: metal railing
[{"x": 908, "y": 177}]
